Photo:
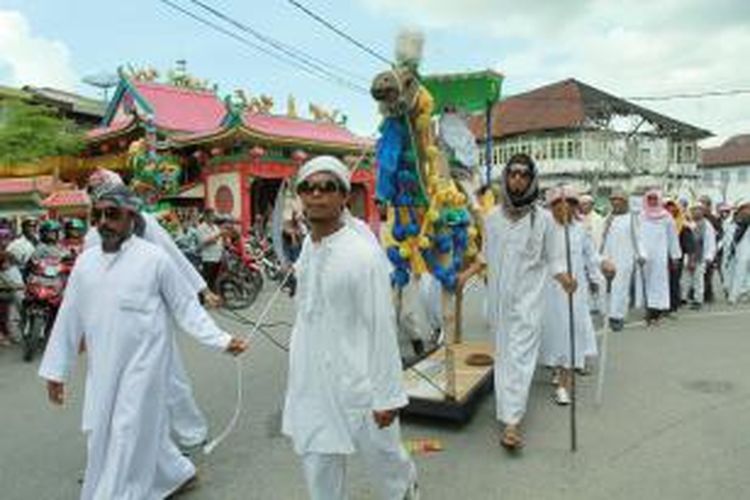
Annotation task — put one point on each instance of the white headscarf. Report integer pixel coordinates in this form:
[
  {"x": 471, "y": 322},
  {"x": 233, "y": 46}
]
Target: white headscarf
[{"x": 327, "y": 164}]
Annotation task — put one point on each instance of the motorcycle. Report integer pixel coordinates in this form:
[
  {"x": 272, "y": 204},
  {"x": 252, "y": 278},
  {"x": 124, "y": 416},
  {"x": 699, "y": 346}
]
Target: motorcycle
[
  {"x": 240, "y": 280},
  {"x": 44, "y": 293},
  {"x": 263, "y": 253}
]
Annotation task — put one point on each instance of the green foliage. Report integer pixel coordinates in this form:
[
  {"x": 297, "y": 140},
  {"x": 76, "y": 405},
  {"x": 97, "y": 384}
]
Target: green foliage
[{"x": 29, "y": 132}]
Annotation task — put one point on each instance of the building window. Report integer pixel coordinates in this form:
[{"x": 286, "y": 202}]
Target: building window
[
  {"x": 688, "y": 154},
  {"x": 742, "y": 175},
  {"x": 578, "y": 149},
  {"x": 708, "y": 178},
  {"x": 725, "y": 177}
]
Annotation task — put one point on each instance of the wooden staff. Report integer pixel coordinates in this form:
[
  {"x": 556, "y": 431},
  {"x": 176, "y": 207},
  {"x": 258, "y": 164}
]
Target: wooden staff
[{"x": 571, "y": 328}]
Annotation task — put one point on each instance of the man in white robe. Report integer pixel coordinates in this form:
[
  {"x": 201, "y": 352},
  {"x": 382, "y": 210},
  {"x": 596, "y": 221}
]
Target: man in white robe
[
  {"x": 124, "y": 317},
  {"x": 703, "y": 256},
  {"x": 585, "y": 264},
  {"x": 593, "y": 223},
  {"x": 622, "y": 245},
  {"x": 736, "y": 264},
  {"x": 344, "y": 388},
  {"x": 520, "y": 249},
  {"x": 661, "y": 247},
  {"x": 187, "y": 422}
]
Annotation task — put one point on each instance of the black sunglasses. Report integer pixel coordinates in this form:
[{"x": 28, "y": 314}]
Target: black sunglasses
[
  {"x": 326, "y": 187},
  {"x": 110, "y": 213},
  {"x": 523, "y": 172}
]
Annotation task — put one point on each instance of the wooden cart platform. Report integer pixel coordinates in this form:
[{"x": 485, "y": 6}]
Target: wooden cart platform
[{"x": 430, "y": 398}]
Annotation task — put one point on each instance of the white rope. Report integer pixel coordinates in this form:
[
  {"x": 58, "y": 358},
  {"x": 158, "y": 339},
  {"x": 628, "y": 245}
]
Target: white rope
[{"x": 209, "y": 448}]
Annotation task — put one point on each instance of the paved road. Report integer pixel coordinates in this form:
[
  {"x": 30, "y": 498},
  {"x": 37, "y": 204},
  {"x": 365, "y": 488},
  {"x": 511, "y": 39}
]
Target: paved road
[{"x": 675, "y": 424}]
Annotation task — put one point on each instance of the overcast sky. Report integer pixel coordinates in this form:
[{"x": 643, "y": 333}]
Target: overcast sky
[{"x": 635, "y": 48}]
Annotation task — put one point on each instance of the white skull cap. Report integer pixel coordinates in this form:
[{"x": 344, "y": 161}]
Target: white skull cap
[{"x": 327, "y": 164}]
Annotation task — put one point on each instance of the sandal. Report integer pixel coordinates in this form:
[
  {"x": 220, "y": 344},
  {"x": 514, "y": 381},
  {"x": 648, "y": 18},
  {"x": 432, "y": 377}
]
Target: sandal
[{"x": 511, "y": 439}]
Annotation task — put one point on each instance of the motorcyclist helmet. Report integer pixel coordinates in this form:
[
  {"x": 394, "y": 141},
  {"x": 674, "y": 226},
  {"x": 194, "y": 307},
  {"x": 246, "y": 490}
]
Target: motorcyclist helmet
[{"x": 49, "y": 231}]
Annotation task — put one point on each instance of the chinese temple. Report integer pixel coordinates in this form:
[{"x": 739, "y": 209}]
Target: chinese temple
[{"x": 233, "y": 153}]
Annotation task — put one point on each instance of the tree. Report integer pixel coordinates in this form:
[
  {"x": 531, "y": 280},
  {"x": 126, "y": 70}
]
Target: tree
[{"x": 29, "y": 132}]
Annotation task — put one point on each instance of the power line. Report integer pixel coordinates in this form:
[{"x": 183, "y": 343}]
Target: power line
[
  {"x": 665, "y": 97},
  {"x": 340, "y": 32},
  {"x": 260, "y": 48},
  {"x": 295, "y": 54},
  {"x": 695, "y": 95}
]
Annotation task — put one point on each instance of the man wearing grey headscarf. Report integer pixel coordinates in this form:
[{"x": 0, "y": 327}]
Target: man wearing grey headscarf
[
  {"x": 124, "y": 317},
  {"x": 187, "y": 421},
  {"x": 344, "y": 386}
]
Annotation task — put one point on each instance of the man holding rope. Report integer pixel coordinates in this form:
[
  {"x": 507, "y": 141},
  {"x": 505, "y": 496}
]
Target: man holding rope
[
  {"x": 344, "y": 388},
  {"x": 124, "y": 316},
  {"x": 187, "y": 422}
]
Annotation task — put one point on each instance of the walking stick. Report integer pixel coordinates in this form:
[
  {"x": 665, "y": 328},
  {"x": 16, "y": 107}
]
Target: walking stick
[
  {"x": 571, "y": 328},
  {"x": 642, "y": 266},
  {"x": 603, "y": 346}
]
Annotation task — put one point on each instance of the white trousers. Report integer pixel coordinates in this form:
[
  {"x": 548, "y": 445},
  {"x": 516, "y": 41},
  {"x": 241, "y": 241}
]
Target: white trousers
[
  {"x": 187, "y": 423},
  {"x": 389, "y": 466},
  {"x": 694, "y": 280}
]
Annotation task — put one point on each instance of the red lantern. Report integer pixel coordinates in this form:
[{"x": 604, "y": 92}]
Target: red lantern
[
  {"x": 104, "y": 148},
  {"x": 216, "y": 151},
  {"x": 122, "y": 143},
  {"x": 257, "y": 151}
]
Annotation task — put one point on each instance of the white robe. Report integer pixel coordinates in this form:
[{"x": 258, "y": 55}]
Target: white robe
[
  {"x": 555, "y": 347},
  {"x": 21, "y": 249},
  {"x": 736, "y": 268},
  {"x": 124, "y": 317},
  {"x": 660, "y": 244},
  {"x": 519, "y": 258},
  {"x": 622, "y": 245},
  {"x": 186, "y": 419},
  {"x": 594, "y": 225},
  {"x": 344, "y": 361}
]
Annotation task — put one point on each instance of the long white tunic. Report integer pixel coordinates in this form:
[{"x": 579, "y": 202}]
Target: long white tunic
[
  {"x": 124, "y": 317},
  {"x": 660, "y": 243},
  {"x": 708, "y": 252},
  {"x": 594, "y": 225},
  {"x": 555, "y": 348},
  {"x": 187, "y": 420},
  {"x": 343, "y": 360},
  {"x": 736, "y": 266},
  {"x": 21, "y": 249},
  {"x": 520, "y": 255},
  {"x": 622, "y": 245}
]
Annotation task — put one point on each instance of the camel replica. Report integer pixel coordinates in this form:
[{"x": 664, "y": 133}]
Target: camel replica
[{"x": 428, "y": 178}]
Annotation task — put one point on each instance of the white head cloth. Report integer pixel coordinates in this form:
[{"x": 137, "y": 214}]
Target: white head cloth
[{"x": 327, "y": 164}]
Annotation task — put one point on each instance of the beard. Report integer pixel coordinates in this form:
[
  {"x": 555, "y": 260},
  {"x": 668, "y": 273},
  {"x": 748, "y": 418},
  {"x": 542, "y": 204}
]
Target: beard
[{"x": 112, "y": 240}]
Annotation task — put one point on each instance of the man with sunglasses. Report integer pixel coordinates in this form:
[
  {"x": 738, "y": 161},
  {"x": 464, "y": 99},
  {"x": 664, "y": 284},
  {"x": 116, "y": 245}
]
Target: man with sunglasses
[
  {"x": 187, "y": 421},
  {"x": 120, "y": 298},
  {"x": 344, "y": 387},
  {"x": 521, "y": 249}
]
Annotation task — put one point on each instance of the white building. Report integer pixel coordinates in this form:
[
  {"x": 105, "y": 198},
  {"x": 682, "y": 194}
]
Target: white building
[
  {"x": 584, "y": 136},
  {"x": 725, "y": 170}
]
